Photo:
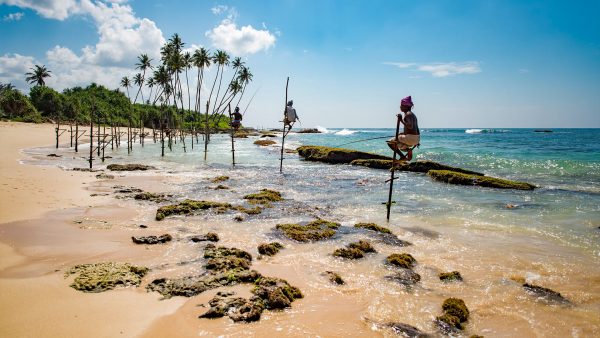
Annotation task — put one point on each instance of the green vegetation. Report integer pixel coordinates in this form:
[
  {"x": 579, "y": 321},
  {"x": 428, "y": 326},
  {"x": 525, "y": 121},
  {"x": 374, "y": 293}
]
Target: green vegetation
[
  {"x": 101, "y": 277},
  {"x": 219, "y": 179},
  {"x": 402, "y": 260},
  {"x": 265, "y": 197},
  {"x": 450, "y": 276},
  {"x": 187, "y": 207},
  {"x": 335, "y": 278},
  {"x": 453, "y": 177},
  {"x": 421, "y": 166},
  {"x": 335, "y": 155},
  {"x": 354, "y": 250},
  {"x": 269, "y": 249},
  {"x": 373, "y": 227},
  {"x": 314, "y": 231}
]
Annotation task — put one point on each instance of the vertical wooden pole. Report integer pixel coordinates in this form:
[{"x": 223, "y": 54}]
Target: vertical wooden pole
[
  {"x": 76, "y": 134},
  {"x": 92, "y": 136},
  {"x": 232, "y": 132},
  {"x": 71, "y": 131},
  {"x": 98, "y": 135},
  {"x": 283, "y": 135},
  {"x": 389, "y": 203},
  {"x": 206, "y": 132}
]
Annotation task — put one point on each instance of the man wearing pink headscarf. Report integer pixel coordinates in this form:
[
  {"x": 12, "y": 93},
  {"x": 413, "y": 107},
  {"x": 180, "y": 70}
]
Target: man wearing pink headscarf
[{"x": 410, "y": 137}]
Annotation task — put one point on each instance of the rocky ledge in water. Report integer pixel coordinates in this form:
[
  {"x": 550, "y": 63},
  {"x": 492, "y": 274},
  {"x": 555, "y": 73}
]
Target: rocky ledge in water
[
  {"x": 106, "y": 276},
  {"x": 151, "y": 239},
  {"x": 383, "y": 234},
  {"x": 421, "y": 166},
  {"x": 455, "y": 314},
  {"x": 129, "y": 167},
  {"x": 219, "y": 179},
  {"x": 264, "y": 142},
  {"x": 309, "y": 131},
  {"x": 335, "y": 155},
  {"x": 264, "y": 197},
  {"x": 104, "y": 176},
  {"x": 405, "y": 330},
  {"x": 545, "y": 295},
  {"x": 405, "y": 277},
  {"x": 403, "y": 260},
  {"x": 453, "y": 177},
  {"x": 269, "y": 249},
  {"x": 354, "y": 250},
  {"x": 210, "y": 236},
  {"x": 314, "y": 231},
  {"x": 153, "y": 197},
  {"x": 188, "y": 207}
]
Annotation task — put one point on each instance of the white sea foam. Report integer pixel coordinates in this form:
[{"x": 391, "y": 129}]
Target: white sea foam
[
  {"x": 474, "y": 131},
  {"x": 345, "y": 132}
]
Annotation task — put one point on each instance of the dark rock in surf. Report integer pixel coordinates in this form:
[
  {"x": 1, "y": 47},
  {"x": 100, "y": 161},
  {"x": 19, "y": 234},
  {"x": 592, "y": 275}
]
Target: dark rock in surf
[
  {"x": 405, "y": 277},
  {"x": 405, "y": 330},
  {"x": 452, "y": 177},
  {"x": 335, "y": 155},
  {"x": 210, "y": 237},
  {"x": 421, "y": 166},
  {"x": 129, "y": 167},
  {"x": 151, "y": 239},
  {"x": 545, "y": 295}
]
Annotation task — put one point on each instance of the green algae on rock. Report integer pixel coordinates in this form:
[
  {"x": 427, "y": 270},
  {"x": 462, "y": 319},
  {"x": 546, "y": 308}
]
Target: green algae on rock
[
  {"x": 335, "y": 155},
  {"x": 269, "y": 249},
  {"x": 455, "y": 314},
  {"x": 265, "y": 197},
  {"x": 106, "y": 276},
  {"x": 219, "y": 179},
  {"x": 187, "y": 207},
  {"x": 354, "y": 250},
  {"x": 420, "y": 166},
  {"x": 450, "y": 276},
  {"x": 275, "y": 293},
  {"x": 236, "y": 308},
  {"x": 453, "y": 177},
  {"x": 314, "y": 231},
  {"x": 129, "y": 167},
  {"x": 334, "y": 277},
  {"x": 373, "y": 227},
  {"x": 402, "y": 260},
  {"x": 149, "y": 196},
  {"x": 264, "y": 142}
]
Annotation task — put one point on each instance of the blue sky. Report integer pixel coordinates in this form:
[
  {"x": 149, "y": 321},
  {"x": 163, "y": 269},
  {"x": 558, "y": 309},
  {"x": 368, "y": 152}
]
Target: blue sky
[{"x": 466, "y": 63}]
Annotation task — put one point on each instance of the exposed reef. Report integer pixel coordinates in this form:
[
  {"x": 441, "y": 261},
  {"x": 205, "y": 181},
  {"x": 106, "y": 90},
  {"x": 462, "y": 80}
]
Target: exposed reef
[
  {"x": 373, "y": 227},
  {"x": 335, "y": 155},
  {"x": 354, "y": 250},
  {"x": 453, "y": 177},
  {"x": 402, "y": 260},
  {"x": 314, "y": 231},
  {"x": 219, "y": 179},
  {"x": 450, "y": 276},
  {"x": 264, "y": 142},
  {"x": 455, "y": 314},
  {"x": 150, "y": 196},
  {"x": 210, "y": 237},
  {"x": 545, "y": 295},
  {"x": 151, "y": 239},
  {"x": 334, "y": 277},
  {"x": 101, "y": 277},
  {"x": 264, "y": 197},
  {"x": 421, "y": 166},
  {"x": 269, "y": 249},
  {"x": 129, "y": 167},
  {"x": 188, "y": 207}
]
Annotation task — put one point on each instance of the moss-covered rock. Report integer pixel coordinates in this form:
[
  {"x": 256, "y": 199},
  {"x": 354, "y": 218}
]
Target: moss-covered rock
[
  {"x": 264, "y": 142},
  {"x": 314, "y": 231},
  {"x": 448, "y": 323},
  {"x": 210, "y": 236},
  {"x": 250, "y": 211},
  {"x": 237, "y": 308},
  {"x": 421, "y": 166},
  {"x": 450, "y": 276},
  {"x": 354, "y": 250},
  {"x": 276, "y": 293},
  {"x": 373, "y": 227},
  {"x": 269, "y": 249},
  {"x": 151, "y": 239},
  {"x": 220, "y": 187},
  {"x": 187, "y": 207},
  {"x": 402, "y": 260},
  {"x": 405, "y": 277},
  {"x": 101, "y": 277},
  {"x": 265, "y": 197},
  {"x": 219, "y": 179},
  {"x": 362, "y": 245},
  {"x": 212, "y": 251},
  {"x": 545, "y": 295},
  {"x": 149, "y": 196},
  {"x": 453, "y": 177},
  {"x": 129, "y": 167},
  {"x": 309, "y": 131},
  {"x": 334, "y": 278},
  {"x": 335, "y": 155},
  {"x": 456, "y": 307}
]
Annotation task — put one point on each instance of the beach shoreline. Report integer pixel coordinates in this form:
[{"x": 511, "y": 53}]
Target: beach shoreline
[{"x": 50, "y": 222}]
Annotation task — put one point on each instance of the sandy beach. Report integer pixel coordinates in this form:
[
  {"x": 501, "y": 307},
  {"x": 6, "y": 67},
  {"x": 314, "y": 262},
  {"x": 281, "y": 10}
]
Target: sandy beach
[{"x": 52, "y": 219}]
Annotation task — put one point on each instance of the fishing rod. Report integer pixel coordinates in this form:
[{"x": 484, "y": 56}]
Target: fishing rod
[
  {"x": 368, "y": 139},
  {"x": 252, "y": 98}
]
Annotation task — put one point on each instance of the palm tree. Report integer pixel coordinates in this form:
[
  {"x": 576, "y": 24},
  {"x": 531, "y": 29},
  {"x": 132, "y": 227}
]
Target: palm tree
[
  {"x": 187, "y": 64},
  {"x": 236, "y": 64},
  {"x": 125, "y": 83},
  {"x": 138, "y": 80},
  {"x": 37, "y": 75},
  {"x": 244, "y": 78},
  {"x": 150, "y": 84},
  {"x": 222, "y": 59},
  {"x": 201, "y": 60},
  {"x": 144, "y": 62}
]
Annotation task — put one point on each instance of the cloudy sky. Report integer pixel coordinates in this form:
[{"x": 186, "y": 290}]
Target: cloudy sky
[{"x": 469, "y": 64}]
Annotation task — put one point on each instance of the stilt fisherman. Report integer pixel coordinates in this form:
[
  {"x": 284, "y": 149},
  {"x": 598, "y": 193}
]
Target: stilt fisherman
[{"x": 410, "y": 137}]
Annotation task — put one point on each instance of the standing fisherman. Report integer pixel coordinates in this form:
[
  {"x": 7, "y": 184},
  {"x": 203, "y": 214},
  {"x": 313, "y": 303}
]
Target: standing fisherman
[{"x": 410, "y": 137}]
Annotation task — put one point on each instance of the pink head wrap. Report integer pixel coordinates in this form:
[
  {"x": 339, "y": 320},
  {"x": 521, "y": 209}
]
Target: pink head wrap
[{"x": 407, "y": 101}]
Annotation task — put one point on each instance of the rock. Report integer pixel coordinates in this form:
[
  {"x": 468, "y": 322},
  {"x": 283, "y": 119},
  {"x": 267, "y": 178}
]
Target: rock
[
  {"x": 219, "y": 179},
  {"x": 402, "y": 260},
  {"x": 101, "y": 277},
  {"x": 309, "y": 131},
  {"x": 545, "y": 295},
  {"x": 269, "y": 249},
  {"x": 210, "y": 236},
  {"x": 354, "y": 250},
  {"x": 450, "y": 276},
  {"x": 268, "y": 135},
  {"x": 149, "y": 196},
  {"x": 251, "y": 211},
  {"x": 405, "y": 277},
  {"x": 220, "y": 187},
  {"x": 143, "y": 226},
  {"x": 129, "y": 167},
  {"x": 373, "y": 227},
  {"x": 187, "y": 207},
  {"x": 335, "y": 155},
  {"x": 265, "y": 196},
  {"x": 190, "y": 286},
  {"x": 238, "y": 218},
  {"x": 54, "y": 155},
  {"x": 448, "y": 324},
  {"x": 362, "y": 245},
  {"x": 391, "y": 239},
  {"x": 275, "y": 293},
  {"x": 421, "y": 166},
  {"x": 238, "y": 309},
  {"x": 456, "y": 307},
  {"x": 264, "y": 142},
  {"x": 126, "y": 190},
  {"x": 475, "y": 180},
  {"x": 151, "y": 239},
  {"x": 104, "y": 176},
  {"x": 314, "y": 231},
  {"x": 408, "y": 331},
  {"x": 334, "y": 278}
]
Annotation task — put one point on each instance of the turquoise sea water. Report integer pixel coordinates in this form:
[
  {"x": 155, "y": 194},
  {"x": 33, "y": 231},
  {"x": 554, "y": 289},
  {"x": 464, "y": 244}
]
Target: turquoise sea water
[{"x": 564, "y": 164}]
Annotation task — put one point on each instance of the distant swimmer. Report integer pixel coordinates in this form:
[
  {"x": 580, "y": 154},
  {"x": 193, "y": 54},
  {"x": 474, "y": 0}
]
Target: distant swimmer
[{"x": 410, "y": 137}]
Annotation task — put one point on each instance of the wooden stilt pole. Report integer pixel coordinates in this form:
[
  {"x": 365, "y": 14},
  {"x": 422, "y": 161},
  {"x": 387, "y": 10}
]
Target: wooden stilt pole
[
  {"x": 92, "y": 136},
  {"x": 206, "y": 132},
  {"x": 71, "y": 132},
  {"x": 76, "y": 134},
  {"x": 283, "y": 135},
  {"x": 98, "y": 135},
  {"x": 232, "y": 138},
  {"x": 389, "y": 202}
]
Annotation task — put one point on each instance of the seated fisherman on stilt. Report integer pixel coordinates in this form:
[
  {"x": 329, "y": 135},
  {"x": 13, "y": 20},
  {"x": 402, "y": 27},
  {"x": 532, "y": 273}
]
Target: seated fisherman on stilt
[
  {"x": 236, "y": 119},
  {"x": 410, "y": 137}
]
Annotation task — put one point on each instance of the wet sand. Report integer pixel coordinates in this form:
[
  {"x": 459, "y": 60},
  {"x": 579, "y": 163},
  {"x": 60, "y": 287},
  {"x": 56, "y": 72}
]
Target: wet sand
[{"x": 67, "y": 226}]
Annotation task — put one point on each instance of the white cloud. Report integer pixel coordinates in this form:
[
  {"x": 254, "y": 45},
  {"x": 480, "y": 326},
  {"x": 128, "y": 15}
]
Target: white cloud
[
  {"x": 245, "y": 40},
  {"x": 13, "y": 16},
  {"x": 219, "y": 9},
  {"x": 122, "y": 37},
  {"x": 13, "y": 68},
  {"x": 440, "y": 69}
]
